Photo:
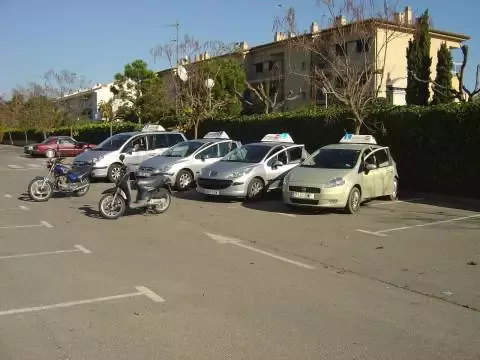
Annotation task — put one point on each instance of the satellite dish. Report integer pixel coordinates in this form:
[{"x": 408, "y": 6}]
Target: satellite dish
[
  {"x": 182, "y": 73},
  {"x": 209, "y": 83}
]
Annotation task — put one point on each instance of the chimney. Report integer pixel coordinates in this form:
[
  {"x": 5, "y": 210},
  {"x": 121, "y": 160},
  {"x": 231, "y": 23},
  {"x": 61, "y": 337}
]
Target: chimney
[
  {"x": 200, "y": 57},
  {"x": 340, "y": 20},
  {"x": 206, "y": 56},
  {"x": 244, "y": 45},
  {"x": 314, "y": 28},
  {"x": 291, "y": 35},
  {"x": 278, "y": 36},
  {"x": 408, "y": 16}
]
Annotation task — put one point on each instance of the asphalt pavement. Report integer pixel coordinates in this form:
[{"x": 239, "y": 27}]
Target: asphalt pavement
[{"x": 228, "y": 280}]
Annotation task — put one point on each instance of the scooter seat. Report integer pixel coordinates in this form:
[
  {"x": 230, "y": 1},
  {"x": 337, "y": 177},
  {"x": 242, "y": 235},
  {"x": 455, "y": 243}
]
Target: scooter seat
[{"x": 151, "y": 182}]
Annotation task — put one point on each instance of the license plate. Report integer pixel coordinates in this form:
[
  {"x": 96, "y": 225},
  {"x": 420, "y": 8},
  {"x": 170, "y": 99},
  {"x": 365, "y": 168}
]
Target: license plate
[
  {"x": 211, "y": 192},
  {"x": 302, "y": 195},
  {"x": 143, "y": 174}
]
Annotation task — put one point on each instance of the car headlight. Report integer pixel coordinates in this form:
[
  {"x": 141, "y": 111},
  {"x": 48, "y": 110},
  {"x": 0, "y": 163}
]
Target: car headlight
[
  {"x": 338, "y": 181},
  {"x": 239, "y": 173},
  {"x": 162, "y": 169},
  {"x": 96, "y": 159}
]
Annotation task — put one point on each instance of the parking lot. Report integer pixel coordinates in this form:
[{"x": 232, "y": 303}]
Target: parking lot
[{"x": 232, "y": 280}]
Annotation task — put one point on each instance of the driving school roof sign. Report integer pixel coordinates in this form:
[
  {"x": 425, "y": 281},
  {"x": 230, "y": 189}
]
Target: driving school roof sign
[
  {"x": 216, "y": 135},
  {"x": 358, "y": 139},
  {"x": 284, "y": 137}
]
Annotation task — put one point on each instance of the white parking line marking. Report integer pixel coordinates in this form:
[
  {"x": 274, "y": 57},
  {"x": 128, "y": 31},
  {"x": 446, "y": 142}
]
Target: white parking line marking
[
  {"x": 143, "y": 292},
  {"x": 78, "y": 248},
  {"x": 8, "y": 196},
  {"x": 382, "y": 232},
  {"x": 371, "y": 232},
  {"x": 34, "y": 166},
  {"x": 24, "y": 208},
  {"x": 15, "y": 167},
  {"x": 286, "y": 214},
  {"x": 21, "y": 207},
  {"x": 83, "y": 249},
  {"x": 381, "y": 203},
  {"x": 149, "y": 293},
  {"x": 46, "y": 224},
  {"x": 227, "y": 240},
  {"x": 42, "y": 224}
]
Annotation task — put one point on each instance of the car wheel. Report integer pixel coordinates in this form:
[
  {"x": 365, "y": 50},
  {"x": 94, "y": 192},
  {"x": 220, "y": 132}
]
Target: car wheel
[
  {"x": 184, "y": 180},
  {"x": 394, "y": 195},
  {"x": 255, "y": 189},
  {"x": 50, "y": 154},
  {"x": 114, "y": 172},
  {"x": 353, "y": 202}
]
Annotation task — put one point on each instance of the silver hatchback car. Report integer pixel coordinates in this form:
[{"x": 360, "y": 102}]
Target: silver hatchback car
[
  {"x": 248, "y": 171},
  {"x": 182, "y": 163}
]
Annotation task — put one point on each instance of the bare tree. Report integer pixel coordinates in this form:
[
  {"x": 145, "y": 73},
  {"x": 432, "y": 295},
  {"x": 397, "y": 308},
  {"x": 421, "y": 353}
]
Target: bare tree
[
  {"x": 62, "y": 87},
  {"x": 202, "y": 67},
  {"x": 348, "y": 56}
]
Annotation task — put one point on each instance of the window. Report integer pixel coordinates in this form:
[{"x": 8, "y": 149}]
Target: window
[
  {"x": 332, "y": 159},
  {"x": 383, "y": 160},
  {"x": 271, "y": 65},
  {"x": 341, "y": 49},
  {"x": 66, "y": 141},
  {"x": 282, "y": 156},
  {"x": 139, "y": 144},
  {"x": 157, "y": 141},
  {"x": 210, "y": 153},
  {"x": 250, "y": 153},
  {"x": 258, "y": 67},
  {"x": 183, "y": 149},
  {"x": 370, "y": 159},
  {"x": 295, "y": 155},
  {"x": 225, "y": 148},
  {"x": 173, "y": 139},
  {"x": 363, "y": 45}
]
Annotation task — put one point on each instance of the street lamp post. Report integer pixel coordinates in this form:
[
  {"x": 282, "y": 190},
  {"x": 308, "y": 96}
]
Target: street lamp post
[{"x": 209, "y": 84}]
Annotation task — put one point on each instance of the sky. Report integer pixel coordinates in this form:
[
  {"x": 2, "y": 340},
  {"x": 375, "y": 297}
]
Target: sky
[{"x": 96, "y": 38}]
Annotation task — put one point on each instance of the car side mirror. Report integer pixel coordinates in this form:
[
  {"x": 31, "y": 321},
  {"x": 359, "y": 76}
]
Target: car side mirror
[
  {"x": 203, "y": 157},
  {"x": 121, "y": 157},
  {"x": 370, "y": 167},
  {"x": 277, "y": 164}
]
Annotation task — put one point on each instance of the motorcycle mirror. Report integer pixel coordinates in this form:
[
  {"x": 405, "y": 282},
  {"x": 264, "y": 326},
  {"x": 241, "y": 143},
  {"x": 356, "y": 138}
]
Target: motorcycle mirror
[{"x": 122, "y": 157}]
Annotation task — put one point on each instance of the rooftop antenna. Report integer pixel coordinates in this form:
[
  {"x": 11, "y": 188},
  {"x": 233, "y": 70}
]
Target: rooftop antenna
[{"x": 176, "y": 40}]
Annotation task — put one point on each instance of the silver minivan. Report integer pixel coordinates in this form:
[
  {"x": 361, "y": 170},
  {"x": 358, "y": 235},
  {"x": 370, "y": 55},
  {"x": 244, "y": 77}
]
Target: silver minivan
[
  {"x": 136, "y": 146},
  {"x": 182, "y": 163},
  {"x": 252, "y": 169}
]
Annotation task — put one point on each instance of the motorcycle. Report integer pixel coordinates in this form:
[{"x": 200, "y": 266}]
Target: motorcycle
[
  {"x": 153, "y": 193},
  {"x": 60, "y": 178}
]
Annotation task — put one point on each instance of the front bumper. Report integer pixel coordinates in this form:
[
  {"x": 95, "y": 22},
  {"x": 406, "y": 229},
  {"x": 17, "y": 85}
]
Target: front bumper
[
  {"x": 309, "y": 195},
  {"x": 220, "y": 187},
  {"x": 97, "y": 172}
]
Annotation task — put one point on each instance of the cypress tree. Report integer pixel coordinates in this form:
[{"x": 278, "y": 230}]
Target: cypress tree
[
  {"x": 442, "y": 89},
  {"x": 418, "y": 63}
]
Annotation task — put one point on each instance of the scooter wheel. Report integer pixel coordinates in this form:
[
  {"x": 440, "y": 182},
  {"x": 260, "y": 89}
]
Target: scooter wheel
[
  {"x": 166, "y": 200},
  {"x": 111, "y": 209}
]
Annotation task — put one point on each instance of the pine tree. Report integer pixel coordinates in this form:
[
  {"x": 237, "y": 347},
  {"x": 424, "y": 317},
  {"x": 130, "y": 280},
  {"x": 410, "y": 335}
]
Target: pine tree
[
  {"x": 418, "y": 63},
  {"x": 442, "y": 88}
]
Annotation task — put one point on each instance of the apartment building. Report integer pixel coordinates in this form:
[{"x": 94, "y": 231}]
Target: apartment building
[
  {"x": 286, "y": 70},
  {"x": 86, "y": 102}
]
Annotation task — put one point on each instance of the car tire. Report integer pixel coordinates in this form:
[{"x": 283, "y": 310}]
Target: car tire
[
  {"x": 353, "y": 202},
  {"x": 394, "y": 195},
  {"x": 184, "y": 180},
  {"x": 50, "y": 153},
  {"x": 255, "y": 189},
  {"x": 114, "y": 172}
]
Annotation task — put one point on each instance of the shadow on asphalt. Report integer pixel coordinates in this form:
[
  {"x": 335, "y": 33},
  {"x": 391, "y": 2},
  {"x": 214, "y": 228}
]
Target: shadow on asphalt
[
  {"x": 466, "y": 204},
  {"x": 193, "y": 195},
  {"x": 59, "y": 195},
  {"x": 93, "y": 213}
]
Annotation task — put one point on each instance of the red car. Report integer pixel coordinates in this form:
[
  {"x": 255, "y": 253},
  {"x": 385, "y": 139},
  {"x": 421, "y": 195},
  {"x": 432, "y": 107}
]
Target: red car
[{"x": 57, "y": 146}]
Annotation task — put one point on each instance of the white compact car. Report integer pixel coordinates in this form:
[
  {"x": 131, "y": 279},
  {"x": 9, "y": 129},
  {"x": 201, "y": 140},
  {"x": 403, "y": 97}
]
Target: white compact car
[{"x": 136, "y": 146}]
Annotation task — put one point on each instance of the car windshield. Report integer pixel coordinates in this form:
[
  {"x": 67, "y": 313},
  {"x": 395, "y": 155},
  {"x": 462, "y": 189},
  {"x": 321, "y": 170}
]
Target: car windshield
[
  {"x": 113, "y": 143},
  {"x": 250, "y": 153},
  {"x": 183, "y": 149},
  {"x": 332, "y": 159}
]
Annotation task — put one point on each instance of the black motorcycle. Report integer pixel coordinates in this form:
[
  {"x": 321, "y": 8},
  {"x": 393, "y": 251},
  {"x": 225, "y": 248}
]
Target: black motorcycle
[
  {"x": 60, "y": 178},
  {"x": 153, "y": 193}
]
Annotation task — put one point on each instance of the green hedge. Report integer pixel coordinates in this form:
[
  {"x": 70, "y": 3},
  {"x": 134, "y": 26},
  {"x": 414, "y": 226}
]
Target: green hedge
[{"x": 436, "y": 148}]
